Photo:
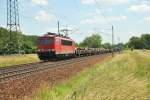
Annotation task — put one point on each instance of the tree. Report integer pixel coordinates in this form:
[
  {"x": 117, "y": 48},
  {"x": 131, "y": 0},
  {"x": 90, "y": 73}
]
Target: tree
[
  {"x": 107, "y": 45},
  {"x": 26, "y": 43},
  {"x": 93, "y": 41},
  {"x": 146, "y": 40},
  {"x": 136, "y": 43}
]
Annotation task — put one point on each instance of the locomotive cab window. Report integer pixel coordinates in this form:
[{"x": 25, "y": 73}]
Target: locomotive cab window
[
  {"x": 66, "y": 42},
  {"x": 45, "y": 41}
]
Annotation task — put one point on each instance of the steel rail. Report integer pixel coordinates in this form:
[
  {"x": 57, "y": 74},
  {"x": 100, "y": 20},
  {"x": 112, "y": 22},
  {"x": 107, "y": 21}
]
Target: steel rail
[
  {"x": 23, "y": 71},
  {"x": 27, "y": 66},
  {"x": 7, "y": 74},
  {"x": 14, "y": 67}
]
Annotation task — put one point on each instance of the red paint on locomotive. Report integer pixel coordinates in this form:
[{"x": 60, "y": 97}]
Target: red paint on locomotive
[{"x": 52, "y": 45}]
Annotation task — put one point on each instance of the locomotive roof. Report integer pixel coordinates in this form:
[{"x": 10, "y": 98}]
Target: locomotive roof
[{"x": 58, "y": 36}]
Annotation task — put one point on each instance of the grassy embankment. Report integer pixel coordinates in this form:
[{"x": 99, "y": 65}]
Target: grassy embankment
[
  {"x": 17, "y": 59},
  {"x": 125, "y": 77}
]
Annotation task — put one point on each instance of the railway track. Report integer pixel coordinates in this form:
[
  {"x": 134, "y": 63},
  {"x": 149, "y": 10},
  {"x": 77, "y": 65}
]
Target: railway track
[{"x": 20, "y": 71}]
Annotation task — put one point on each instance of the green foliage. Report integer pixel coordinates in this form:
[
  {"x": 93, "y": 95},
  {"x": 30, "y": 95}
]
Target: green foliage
[
  {"x": 136, "y": 43},
  {"x": 76, "y": 44},
  {"x": 146, "y": 40},
  {"x": 142, "y": 42},
  {"x": 123, "y": 77},
  {"x": 93, "y": 41},
  {"x": 19, "y": 42},
  {"x": 107, "y": 45},
  {"x": 120, "y": 45},
  {"x": 30, "y": 44}
]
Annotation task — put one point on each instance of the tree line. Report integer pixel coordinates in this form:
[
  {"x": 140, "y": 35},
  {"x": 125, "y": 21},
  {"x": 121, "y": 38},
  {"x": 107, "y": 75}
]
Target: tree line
[
  {"x": 27, "y": 44},
  {"x": 142, "y": 42},
  {"x": 95, "y": 41}
]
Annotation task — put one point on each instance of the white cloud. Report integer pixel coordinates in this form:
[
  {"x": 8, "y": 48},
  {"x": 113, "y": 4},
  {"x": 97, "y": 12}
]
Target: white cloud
[
  {"x": 140, "y": 8},
  {"x": 40, "y": 2},
  {"x": 89, "y": 21},
  {"x": 145, "y": 19},
  {"x": 105, "y": 2},
  {"x": 101, "y": 19},
  {"x": 44, "y": 16},
  {"x": 117, "y": 18},
  {"x": 88, "y": 1},
  {"x": 115, "y": 2}
]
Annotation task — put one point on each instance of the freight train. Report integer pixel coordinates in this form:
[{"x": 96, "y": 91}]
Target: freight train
[{"x": 56, "y": 46}]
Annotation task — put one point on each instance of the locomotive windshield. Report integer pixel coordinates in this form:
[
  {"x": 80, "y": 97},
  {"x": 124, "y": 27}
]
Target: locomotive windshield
[{"x": 45, "y": 41}]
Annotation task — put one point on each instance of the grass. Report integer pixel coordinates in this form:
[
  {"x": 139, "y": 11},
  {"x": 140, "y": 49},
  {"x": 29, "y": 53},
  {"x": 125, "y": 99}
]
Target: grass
[
  {"x": 125, "y": 77},
  {"x": 17, "y": 59}
]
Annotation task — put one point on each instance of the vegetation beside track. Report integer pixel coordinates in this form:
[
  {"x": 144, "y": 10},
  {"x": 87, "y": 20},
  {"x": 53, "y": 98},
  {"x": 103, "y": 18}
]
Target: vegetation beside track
[
  {"x": 17, "y": 59},
  {"x": 125, "y": 77}
]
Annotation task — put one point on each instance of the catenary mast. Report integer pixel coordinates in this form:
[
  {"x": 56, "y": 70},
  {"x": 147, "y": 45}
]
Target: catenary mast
[{"x": 13, "y": 25}]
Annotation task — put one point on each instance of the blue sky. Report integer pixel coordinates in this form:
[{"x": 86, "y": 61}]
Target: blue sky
[{"x": 84, "y": 17}]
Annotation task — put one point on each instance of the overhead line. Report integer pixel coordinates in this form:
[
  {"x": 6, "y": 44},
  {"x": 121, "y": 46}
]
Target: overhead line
[{"x": 100, "y": 8}]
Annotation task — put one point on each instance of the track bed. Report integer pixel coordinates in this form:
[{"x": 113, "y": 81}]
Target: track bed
[{"x": 25, "y": 82}]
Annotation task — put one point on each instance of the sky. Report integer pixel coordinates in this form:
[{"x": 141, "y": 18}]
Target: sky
[{"x": 83, "y": 17}]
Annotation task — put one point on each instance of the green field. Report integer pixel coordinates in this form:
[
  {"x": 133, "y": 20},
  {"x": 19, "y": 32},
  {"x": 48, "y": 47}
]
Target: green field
[
  {"x": 17, "y": 59},
  {"x": 124, "y": 77}
]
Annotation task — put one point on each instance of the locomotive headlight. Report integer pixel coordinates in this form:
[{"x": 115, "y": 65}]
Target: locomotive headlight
[
  {"x": 53, "y": 49},
  {"x": 41, "y": 50},
  {"x": 38, "y": 50},
  {"x": 49, "y": 50}
]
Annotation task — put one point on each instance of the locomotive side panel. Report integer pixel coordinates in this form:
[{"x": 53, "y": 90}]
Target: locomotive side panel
[
  {"x": 67, "y": 46},
  {"x": 57, "y": 45}
]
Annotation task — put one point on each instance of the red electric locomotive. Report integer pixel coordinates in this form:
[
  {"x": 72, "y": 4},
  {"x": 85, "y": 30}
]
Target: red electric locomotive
[{"x": 53, "y": 45}]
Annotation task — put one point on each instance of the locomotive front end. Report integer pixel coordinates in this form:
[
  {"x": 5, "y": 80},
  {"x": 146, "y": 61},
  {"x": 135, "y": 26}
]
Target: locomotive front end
[{"x": 45, "y": 46}]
